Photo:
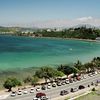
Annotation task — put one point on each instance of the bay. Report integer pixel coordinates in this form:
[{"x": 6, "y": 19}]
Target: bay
[{"x": 26, "y": 52}]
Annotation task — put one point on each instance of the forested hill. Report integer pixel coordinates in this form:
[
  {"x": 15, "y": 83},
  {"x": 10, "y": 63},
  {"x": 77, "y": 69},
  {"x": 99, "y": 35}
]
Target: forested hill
[{"x": 79, "y": 32}]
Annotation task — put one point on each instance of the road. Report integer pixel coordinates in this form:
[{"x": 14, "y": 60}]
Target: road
[{"x": 55, "y": 91}]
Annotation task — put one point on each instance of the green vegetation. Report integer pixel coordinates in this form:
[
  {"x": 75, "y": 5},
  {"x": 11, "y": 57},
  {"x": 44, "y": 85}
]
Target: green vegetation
[
  {"x": 11, "y": 82},
  {"x": 90, "y": 66},
  {"x": 91, "y": 96},
  {"x": 34, "y": 80},
  {"x": 79, "y": 33},
  {"x": 48, "y": 73},
  {"x": 66, "y": 69}
]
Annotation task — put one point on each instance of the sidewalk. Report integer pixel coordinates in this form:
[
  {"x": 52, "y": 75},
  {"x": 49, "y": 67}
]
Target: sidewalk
[{"x": 4, "y": 95}]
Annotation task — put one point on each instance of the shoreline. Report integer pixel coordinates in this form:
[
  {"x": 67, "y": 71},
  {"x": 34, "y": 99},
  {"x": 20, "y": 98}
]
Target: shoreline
[{"x": 88, "y": 40}]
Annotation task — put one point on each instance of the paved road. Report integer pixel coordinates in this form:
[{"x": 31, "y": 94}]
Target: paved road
[{"x": 54, "y": 92}]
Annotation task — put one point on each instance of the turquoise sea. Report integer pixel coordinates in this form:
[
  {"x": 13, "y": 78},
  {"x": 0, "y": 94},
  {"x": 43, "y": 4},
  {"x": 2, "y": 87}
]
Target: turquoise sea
[{"x": 24, "y": 52}]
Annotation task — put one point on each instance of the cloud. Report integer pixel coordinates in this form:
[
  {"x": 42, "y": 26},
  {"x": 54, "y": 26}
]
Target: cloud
[
  {"x": 59, "y": 23},
  {"x": 85, "y": 18},
  {"x": 67, "y": 22}
]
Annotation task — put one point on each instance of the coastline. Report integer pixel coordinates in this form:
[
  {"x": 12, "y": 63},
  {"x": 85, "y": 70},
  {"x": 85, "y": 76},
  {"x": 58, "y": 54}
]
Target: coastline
[{"x": 88, "y": 40}]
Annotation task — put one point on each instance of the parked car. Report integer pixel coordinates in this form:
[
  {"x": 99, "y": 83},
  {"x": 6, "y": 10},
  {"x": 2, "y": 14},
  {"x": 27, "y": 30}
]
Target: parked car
[
  {"x": 44, "y": 98},
  {"x": 70, "y": 80},
  {"x": 81, "y": 87},
  {"x": 92, "y": 83},
  {"x": 67, "y": 81},
  {"x": 63, "y": 82},
  {"x": 19, "y": 92},
  {"x": 13, "y": 94},
  {"x": 58, "y": 83},
  {"x": 78, "y": 78},
  {"x": 38, "y": 88},
  {"x": 49, "y": 86},
  {"x": 53, "y": 84},
  {"x": 43, "y": 87},
  {"x": 64, "y": 92},
  {"x": 32, "y": 90},
  {"x": 74, "y": 89},
  {"x": 98, "y": 81},
  {"x": 36, "y": 98},
  {"x": 71, "y": 90},
  {"x": 25, "y": 91},
  {"x": 74, "y": 79}
]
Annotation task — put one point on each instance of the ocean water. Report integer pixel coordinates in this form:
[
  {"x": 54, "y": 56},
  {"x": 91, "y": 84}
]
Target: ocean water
[{"x": 25, "y": 52}]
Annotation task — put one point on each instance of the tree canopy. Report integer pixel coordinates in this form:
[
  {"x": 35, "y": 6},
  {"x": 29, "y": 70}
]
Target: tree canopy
[
  {"x": 66, "y": 69},
  {"x": 11, "y": 82}
]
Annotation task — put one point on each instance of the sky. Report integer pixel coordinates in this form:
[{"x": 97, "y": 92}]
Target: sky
[{"x": 49, "y": 13}]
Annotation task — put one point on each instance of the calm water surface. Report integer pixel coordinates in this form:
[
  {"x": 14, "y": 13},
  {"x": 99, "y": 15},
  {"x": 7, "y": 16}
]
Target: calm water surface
[{"x": 24, "y": 52}]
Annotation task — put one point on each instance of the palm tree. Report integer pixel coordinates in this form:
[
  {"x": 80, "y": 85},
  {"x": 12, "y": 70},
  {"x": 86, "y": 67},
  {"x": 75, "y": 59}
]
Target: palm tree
[
  {"x": 46, "y": 73},
  {"x": 78, "y": 65},
  {"x": 67, "y": 69}
]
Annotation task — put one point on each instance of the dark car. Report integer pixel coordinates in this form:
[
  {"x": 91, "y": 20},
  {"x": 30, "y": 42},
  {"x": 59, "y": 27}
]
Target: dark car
[
  {"x": 43, "y": 87},
  {"x": 64, "y": 92},
  {"x": 92, "y": 83},
  {"x": 71, "y": 90},
  {"x": 81, "y": 87},
  {"x": 58, "y": 83},
  {"x": 71, "y": 81},
  {"x": 53, "y": 84}
]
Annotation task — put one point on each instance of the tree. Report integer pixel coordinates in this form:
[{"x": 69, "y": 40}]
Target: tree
[
  {"x": 11, "y": 82},
  {"x": 46, "y": 73},
  {"x": 89, "y": 66},
  {"x": 28, "y": 79},
  {"x": 67, "y": 69},
  {"x": 58, "y": 73},
  {"x": 96, "y": 62},
  {"x": 34, "y": 80},
  {"x": 78, "y": 65}
]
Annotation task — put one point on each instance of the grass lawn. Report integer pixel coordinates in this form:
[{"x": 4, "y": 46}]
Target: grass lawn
[{"x": 91, "y": 96}]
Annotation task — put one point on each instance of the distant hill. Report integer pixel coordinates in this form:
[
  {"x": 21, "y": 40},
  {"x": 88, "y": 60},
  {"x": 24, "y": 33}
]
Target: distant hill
[
  {"x": 84, "y": 25},
  {"x": 14, "y": 29}
]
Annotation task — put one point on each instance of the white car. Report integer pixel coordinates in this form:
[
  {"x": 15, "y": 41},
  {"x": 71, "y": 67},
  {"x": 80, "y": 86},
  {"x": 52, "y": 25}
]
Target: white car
[
  {"x": 49, "y": 86},
  {"x": 32, "y": 90},
  {"x": 19, "y": 92},
  {"x": 13, "y": 94},
  {"x": 36, "y": 98},
  {"x": 67, "y": 81},
  {"x": 38, "y": 88},
  {"x": 44, "y": 98},
  {"x": 25, "y": 91}
]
